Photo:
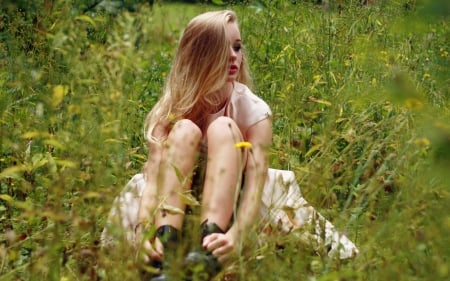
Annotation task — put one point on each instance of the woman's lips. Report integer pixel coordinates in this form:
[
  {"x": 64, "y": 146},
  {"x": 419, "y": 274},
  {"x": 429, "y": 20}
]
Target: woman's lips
[{"x": 233, "y": 69}]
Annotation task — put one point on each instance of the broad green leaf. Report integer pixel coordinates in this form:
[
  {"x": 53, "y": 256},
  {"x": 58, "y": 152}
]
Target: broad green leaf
[{"x": 7, "y": 198}]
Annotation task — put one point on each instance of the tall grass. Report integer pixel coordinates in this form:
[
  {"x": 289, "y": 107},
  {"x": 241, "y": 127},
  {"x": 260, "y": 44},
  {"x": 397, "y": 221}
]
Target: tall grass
[{"x": 360, "y": 96}]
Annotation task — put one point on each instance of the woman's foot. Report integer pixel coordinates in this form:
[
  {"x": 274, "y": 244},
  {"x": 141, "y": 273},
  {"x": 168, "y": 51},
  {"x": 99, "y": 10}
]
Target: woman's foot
[
  {"x": 202, "y": 265},
  {"x": 169, "y": 237}
]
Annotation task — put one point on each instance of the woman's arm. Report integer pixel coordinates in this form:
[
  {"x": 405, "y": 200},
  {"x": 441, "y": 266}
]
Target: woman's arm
[
  {"x": 150, "y": 194},
  {"x": 149, "y": 199}
]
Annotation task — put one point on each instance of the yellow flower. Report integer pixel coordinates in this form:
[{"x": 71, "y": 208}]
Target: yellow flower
[
  {"x": 424, "y": 142},
  {"x": 413, "y": 103},
  {"x": 59, "y": 92},
  {"x": 374, "y": 81},
  {"x": 426, "y": 75},
  {"x": 243, "y": 144}
]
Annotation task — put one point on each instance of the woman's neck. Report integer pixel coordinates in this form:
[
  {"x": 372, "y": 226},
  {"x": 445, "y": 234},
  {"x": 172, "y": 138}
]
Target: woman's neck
[
  {"x": 225, "y": 92},
  {"x": 223, "y": 96}
]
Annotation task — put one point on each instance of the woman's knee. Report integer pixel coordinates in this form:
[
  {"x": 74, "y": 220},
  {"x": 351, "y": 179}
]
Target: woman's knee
[
  {"x": 185, "y": 133},
  {"x": 186, "y": 129},
  {"x": 224, "y": 128}
]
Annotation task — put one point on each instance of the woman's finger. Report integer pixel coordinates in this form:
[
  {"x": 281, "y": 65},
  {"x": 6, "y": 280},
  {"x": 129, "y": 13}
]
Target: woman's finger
[
  {"x": 223, "y": 259},
  {"x": 213, "y": 241},
  {"x": 152, "y": 251},
  {"x": 220, "y": 245},
  {"x": 209, "y": 239},
  {"x": 223, "y": 249}
]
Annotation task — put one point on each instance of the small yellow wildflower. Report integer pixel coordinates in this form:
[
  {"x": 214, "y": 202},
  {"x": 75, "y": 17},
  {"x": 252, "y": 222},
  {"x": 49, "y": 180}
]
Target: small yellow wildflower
[
  {"x": 423, "y": 142},
  {"x": 74, "y": 109},
  {"x": 59, "y": 92},
  {"x": 374, "y": 81},
  {"x": 426, "y": 75},
  {"x": 413, "y": 103},
  {"x": 171, "y": 117},
  {"x": 243, "y": 144},
  {"x": 115, "y": 96}
]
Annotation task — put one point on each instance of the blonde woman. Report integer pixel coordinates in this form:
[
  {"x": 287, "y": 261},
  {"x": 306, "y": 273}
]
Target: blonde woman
[
  {"x": 210, "y": 134},
  {"x": 205, "y": 110}
]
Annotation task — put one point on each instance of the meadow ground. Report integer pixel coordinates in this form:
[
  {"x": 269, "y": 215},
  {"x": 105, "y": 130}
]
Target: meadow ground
[{"x": 360, "y": 96}]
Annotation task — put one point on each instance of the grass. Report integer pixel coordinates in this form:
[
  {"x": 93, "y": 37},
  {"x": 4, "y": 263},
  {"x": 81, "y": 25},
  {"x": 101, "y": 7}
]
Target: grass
[{"x": 360, "y": 96}]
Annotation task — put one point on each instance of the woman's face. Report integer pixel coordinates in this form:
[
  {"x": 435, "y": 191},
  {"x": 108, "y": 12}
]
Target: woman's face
[{"x": 235, "y": 53}]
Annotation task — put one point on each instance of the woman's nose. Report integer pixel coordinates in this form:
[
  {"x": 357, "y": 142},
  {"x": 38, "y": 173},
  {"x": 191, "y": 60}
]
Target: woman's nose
[{"x": 233, "y": 54}]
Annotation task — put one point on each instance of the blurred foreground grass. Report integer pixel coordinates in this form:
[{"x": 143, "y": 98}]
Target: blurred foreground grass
[{"x": 360, "y": 96}]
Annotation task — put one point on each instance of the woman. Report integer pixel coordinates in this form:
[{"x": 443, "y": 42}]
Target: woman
[
  {"x": 205, "y": 110},
  {"x": 209, "y": 128}
]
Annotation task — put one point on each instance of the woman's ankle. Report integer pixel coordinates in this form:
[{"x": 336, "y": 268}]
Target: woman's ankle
[
  {"x": 207, "y": 228},
  {"x": 168, "y": 235}
]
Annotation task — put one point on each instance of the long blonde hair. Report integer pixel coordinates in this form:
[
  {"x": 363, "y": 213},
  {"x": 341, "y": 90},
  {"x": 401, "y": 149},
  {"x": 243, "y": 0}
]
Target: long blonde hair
[{"x": 198, "y": 72}]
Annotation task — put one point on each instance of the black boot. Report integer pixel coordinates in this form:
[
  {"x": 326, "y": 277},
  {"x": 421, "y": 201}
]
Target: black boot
[
  {"x": 201, "y": 265},
  {"x": 169, "y": 237}
]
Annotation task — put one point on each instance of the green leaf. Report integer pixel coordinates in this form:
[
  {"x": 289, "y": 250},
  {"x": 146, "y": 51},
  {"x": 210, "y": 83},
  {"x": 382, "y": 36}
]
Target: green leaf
[
  {"x": 87, "y": 19},
  {"x": 171, "y": 210},
  {"x": 188, "y": 199},
  {"x": 38, "y": 161},
  {"x": 55, "y": 143},
  {"x": 313, "y": 149},
  {"x": 179, "y": 174},
  {"x": 7, "y": 198},
  {"x": 13, "y": 171},
  {"x": 66, "y": 163},
  {"x": 218, "y": 2}
]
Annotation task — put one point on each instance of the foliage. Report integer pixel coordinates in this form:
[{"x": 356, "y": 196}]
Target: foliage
[{"x": 360, "y": 95}]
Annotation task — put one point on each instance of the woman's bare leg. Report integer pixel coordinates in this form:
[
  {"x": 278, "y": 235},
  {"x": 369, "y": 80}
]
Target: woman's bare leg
[
  {"x": 223, "y": 172},
  {"x": 180, "y": 153}
]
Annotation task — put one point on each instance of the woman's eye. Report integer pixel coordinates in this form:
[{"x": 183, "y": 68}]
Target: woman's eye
[{"x": 237, "y": 48}]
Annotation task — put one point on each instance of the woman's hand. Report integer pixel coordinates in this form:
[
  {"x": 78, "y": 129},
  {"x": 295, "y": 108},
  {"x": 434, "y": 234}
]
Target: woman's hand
[
  {"x": 221, "y": 246},
  {"x": 152, "y": 250},
  {"x": 148, "y": 249}
]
